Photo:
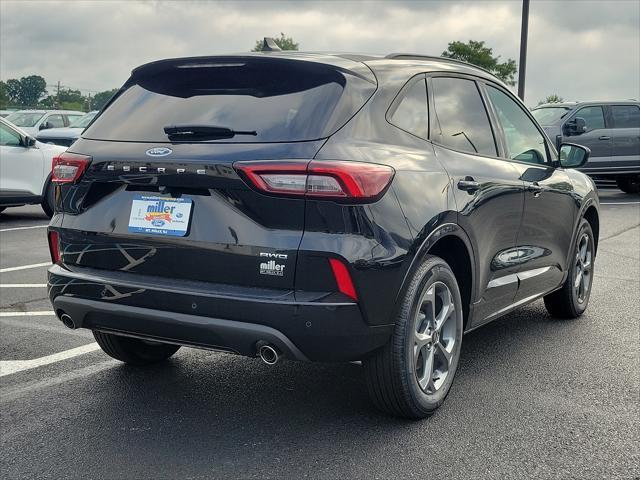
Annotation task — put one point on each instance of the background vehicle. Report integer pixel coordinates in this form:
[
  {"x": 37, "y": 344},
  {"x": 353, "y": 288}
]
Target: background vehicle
[
  {"x": 25, "y": 169},
  {"x": 4, "y": 113},
  {"x": 32, "y": 121},
  {"x": 318, "y": 207},
  {"x": 66, "y": 136},
  {"x": 610, "y": 129}
]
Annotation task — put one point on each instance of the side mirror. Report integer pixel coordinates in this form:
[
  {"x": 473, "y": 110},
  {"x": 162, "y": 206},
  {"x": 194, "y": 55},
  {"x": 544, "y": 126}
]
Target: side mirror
[
  {"x": 44, "y": 126},
  {"x": 577, "y": 126},
  {"x": 28, "y": 141},
  {"x": 573, "y": 156}
]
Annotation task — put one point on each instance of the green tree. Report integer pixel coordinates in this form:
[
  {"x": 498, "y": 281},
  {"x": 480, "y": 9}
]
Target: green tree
[
  {"x": 27, "y": 91},
  {"x": 4, "y": 95},
  {"x": 553, "y": 98},
  {"x": 284, "y": 42},
  {"x": 478, "y": 54},
  {"x": 68, "y": 99},
  {"x": 99, "y": 100}
]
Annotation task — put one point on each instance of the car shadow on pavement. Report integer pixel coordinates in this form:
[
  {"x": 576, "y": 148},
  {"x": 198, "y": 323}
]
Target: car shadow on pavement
[{"x": 205, "y": 411}]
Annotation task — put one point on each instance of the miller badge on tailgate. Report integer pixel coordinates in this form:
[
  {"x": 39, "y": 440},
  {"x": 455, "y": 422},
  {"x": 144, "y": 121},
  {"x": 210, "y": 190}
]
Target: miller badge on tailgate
[{"x": 160, "y": 216}]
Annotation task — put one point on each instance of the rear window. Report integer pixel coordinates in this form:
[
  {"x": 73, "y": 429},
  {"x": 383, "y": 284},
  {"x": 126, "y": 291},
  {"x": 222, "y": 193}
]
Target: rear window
[{"x": 279, "y": 99}]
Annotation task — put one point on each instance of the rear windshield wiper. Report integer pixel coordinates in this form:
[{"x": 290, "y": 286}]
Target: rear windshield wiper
[{"x": 203, "y": 132}]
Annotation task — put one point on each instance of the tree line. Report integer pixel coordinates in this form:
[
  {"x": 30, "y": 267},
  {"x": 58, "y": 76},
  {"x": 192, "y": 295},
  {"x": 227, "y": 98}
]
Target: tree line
[{"x": 31, "y": 92}]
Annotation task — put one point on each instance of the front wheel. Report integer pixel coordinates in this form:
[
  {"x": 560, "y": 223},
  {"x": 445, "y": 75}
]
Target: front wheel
[
  {"x": 411, "y": 376},
  {"x": 572, "y": 299},
  {"x": 134, "y": 351},
  {"x": 629, "y": 183}
]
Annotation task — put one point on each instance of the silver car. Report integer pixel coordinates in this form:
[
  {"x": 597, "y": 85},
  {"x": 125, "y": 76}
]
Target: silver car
[{"x": 32, "y": 121}]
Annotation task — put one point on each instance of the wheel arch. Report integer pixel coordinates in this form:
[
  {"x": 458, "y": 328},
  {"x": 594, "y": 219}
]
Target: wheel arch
[
  {"x": 451, "y": 243},
  {"x": 591, "y": 215}
]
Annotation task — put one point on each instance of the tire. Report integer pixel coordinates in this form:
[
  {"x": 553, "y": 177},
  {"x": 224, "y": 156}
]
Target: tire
[
  {"x": 401, "y": 383},
  {"x": 134, "y": 351},
  {"x": 48, "y": 202},
  {"x": 629, "y": 183},
  {"x": 572, "y": 299}
]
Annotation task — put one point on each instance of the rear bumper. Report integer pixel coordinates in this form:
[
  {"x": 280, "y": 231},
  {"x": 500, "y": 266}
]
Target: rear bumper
[{"x": 312, "y": 326}]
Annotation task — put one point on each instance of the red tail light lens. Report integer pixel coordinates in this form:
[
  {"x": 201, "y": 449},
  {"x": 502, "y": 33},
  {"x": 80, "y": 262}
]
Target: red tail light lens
[
  {"x": 54, "y": 246},
  {"x": 343, "y": 278},
  {"x": 330, "y": 179},
  {"x": 68, "y": 167}
]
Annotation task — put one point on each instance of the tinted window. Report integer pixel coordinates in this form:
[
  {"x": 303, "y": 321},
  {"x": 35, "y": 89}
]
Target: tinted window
[
  {"x": 626, "y": 116},
  {"x": 412, "y": 114},
  {"x": 280, "y": 100},
  {"x": 8, "y": 138},
  {"x": 524, "y": 141},
  {"x": 55, "y": 121},
  {"x": 593, "y": 116},
  {"x": 464, "y": 122}
]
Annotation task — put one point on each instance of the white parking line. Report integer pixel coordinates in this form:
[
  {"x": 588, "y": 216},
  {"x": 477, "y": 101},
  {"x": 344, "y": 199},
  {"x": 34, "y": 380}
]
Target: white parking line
[
  {"x": 22, "y": 285},
  {"x": 7, "y": 367},
  {"x": 620, "y": 203},
  {"x": 39, "y": 313},
  {"x": 23, "y": 228},
  {"x": 25, "y": 267}
]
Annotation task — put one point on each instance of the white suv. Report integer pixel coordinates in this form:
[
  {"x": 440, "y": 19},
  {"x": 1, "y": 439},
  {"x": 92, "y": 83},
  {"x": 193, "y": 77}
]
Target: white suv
[
  {"x": 32, "y": 121},
  {"x": 25, "y": 167}
]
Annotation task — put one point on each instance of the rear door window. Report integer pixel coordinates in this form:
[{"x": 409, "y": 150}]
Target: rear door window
[
  {"x": 280, "y": 100},
  {"x": 411, "y": 114},
  {"x": 593, "y": 117},
  {"x": 625, "y": 116},
  {"x": 463, "y": 119}
]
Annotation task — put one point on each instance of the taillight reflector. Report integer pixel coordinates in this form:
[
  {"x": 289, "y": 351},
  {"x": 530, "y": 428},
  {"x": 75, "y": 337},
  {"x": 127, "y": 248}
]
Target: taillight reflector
[
  {"x": 343, "y": 278},
  {"x": 329, "y": 179},
  {"x": 68, "y": 167},
  {"x": 54, "y": 246}
]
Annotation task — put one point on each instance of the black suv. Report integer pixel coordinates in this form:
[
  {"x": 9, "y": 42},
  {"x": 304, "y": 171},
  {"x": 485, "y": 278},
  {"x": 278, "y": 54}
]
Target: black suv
[{"x": 320, "y": 208}]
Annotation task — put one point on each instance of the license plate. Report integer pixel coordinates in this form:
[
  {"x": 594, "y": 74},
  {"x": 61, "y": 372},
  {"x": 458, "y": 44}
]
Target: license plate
[{"x": 160, "y": 215}]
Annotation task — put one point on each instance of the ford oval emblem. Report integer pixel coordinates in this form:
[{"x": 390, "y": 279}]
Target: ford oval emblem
[{"x": 159, "y": 152}]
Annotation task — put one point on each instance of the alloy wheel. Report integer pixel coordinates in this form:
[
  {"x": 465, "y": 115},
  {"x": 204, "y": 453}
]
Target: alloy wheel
[
  {"x": 584, "y": 262},
  {"x": 434, "y": 337}
]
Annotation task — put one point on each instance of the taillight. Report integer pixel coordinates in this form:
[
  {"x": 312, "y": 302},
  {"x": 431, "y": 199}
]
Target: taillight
[
  {"x": 68, "y": 167},
  {"x": 54, "y": 246},
  {"x": 343, "y": 278},
  {"x": 329, "y": 179}
]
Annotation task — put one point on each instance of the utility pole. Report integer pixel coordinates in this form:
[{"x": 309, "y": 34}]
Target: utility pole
[
  {"x": 524, "y": 32},
  {"x": 58, "y": 95}
]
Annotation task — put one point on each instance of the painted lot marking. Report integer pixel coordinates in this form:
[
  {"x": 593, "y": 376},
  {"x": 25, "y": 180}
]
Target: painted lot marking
[
  {"x": 619, "y": 203},
  {"x": 25, "y": 267},
  {"x": 8, "y": 367},
  {"x": 23, "y": 285},
  {"x": 23, "y": 228},
  {"x": 39, "y": 313}
]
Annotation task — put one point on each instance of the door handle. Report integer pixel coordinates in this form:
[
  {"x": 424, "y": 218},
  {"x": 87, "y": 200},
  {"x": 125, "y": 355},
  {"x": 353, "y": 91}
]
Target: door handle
[
  {"x": 535, "y": 188},
  {"x": 468, "y": 184},
  {"x": 604, "y": 137}
]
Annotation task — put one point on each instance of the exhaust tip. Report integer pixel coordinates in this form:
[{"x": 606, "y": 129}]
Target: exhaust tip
[
  {"x": 269, "y": 355},
  {"x": 67, "y": 321}
]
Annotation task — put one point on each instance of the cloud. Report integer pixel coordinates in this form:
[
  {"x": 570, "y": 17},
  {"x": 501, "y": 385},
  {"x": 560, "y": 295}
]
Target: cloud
[{"x": 579, "y": 49}]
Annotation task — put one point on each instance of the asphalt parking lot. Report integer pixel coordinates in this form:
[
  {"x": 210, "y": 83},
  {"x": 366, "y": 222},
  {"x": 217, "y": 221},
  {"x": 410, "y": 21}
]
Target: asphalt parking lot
[{"x": 534, "y": 396}]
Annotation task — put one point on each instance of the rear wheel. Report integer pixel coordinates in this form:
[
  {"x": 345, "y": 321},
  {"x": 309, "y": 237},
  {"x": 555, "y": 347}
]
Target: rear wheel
[
  {"x": 411, "y": 376},
  {"x": 132, "y": 350},
  {"x": 48, "y": 201},
  {"x": 629, "y": 183},
  {"x": 572, "y": 299}
]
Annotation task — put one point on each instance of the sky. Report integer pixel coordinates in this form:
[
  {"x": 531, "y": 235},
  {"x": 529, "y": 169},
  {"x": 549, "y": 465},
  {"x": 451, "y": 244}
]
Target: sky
[{"x": 580, "y": 50}]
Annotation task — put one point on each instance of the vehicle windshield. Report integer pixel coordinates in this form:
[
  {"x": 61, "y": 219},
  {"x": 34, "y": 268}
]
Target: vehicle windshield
[
  {"x": 25, "y": 119},
  {"x": 278, "y": 100},
  {"x": 549, "y": 115},
  {"x": 83, "y": 121}
]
